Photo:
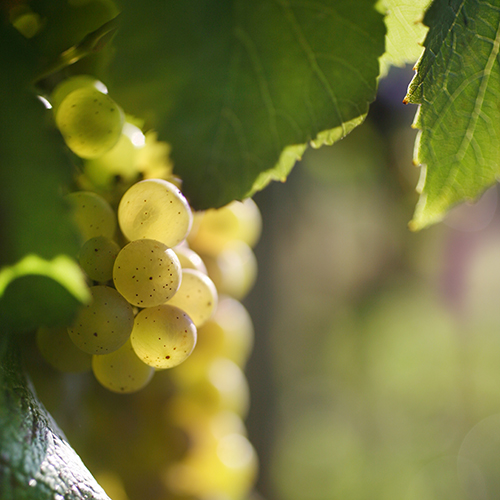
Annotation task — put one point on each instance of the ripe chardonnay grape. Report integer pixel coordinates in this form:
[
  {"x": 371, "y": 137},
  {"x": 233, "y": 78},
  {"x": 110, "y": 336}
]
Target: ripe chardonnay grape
[
  {"x": 120, "y": 160},
  {"x": 122, "y": 371},
  {"x": 197, "y": 296},
  {"x": 74, "y": 83},
  {"x": 189, "y": 259},
  {"x": 229, "y": 333},
  {"x": 90, "y": 122},
  {"x": 155, "y": 209},
  {"x": 147, "y": 273},
  {"x": 97, "y": 257},
  {"x": 163, "y": 336},
  {"x": 103, "y": 325},
  {"x": 214, "y": 228},
  {"x": 92, "y": 214},
  {"x": 233, "y": 269}
]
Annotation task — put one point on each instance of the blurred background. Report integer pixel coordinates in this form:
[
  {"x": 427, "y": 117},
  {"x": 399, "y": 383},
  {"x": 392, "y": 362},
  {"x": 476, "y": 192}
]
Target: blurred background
[{"x": 376, "y": 368}]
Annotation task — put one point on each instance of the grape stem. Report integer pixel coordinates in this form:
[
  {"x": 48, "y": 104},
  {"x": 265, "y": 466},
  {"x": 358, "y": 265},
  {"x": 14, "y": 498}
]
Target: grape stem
[{"x": 91, "y": 43}]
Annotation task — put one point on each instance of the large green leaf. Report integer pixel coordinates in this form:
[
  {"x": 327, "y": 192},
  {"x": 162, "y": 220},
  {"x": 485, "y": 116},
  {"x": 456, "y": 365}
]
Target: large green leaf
[
  {"x": 239, "y": 88},
  {"x": 37, "y": 236},
  {"x": 457, "y": 86}
]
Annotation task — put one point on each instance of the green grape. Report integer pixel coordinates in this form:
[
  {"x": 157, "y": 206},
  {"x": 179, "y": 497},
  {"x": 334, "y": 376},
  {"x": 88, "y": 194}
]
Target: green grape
[
  {"x": 233, "y": 270},
  {"x": 74, "y": 83},
  {"x": 221, "y": 385},
  {"x": 121, "y": 370},
  {"x": 163, "y": 336},
  {"x": 90, "y": 122},
  {"x": 227, "y": 334},
  {"x": 197, "y": 296},
  {"x": 213, "y": 229},
  {"x": 231, "y": 326},
  {"x": 97, "y": 257},
  {"x": 103, "y": 325},
  {"x": 120, "y": 160},
  {"x": 155, "y": 209},
  {"x": 92, "y": 214},
  {"x": 147, "y": 273},
  {"x": 58, "y": 350},
  {"x": 222, "y": 468},
  {"x": 189, "y": 259}
]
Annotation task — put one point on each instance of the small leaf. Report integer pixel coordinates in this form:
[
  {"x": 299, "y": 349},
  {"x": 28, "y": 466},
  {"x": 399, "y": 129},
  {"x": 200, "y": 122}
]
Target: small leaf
[
  {"x": 233, "y": 84},
  {"x": 457, "y": 86}
]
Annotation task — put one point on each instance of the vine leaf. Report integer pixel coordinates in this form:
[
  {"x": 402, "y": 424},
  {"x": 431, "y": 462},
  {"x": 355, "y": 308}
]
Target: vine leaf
[
  {"x": 457, "y": 85},
  {"x": 405, "y": 32},
  {"x": 36, "y": 461},
  {"x": 240, "y": 88}
]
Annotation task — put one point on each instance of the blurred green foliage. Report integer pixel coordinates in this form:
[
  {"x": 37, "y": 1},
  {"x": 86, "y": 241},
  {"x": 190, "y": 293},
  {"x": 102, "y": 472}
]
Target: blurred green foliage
[{"x": 384, "y": 343}]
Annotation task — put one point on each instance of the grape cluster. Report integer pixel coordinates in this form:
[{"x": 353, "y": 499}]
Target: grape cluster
[{"x": 163, "y": 279}]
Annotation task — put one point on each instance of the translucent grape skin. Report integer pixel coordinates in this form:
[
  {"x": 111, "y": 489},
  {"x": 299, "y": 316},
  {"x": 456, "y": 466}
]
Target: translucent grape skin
[
  {"x": 90, "y": 122},
  {"x": 163, "y": 336},
  {"x": 97, "y": 257},
  {"x": 155, "y": 209},
  {"x": 229, "y": 333},
  {"x": 103, "y": 325},
  {"x": 189, "y": 259},
  {"x": 213, "y": 229},
  {"x": 60, "y": 352},
  {"x": 92, "y": 214},
  {"x": 233, "y": 269},
  {"x": 147, "y": 273},
  {"x": 74, "y": 83},
  {"x": 197, "y": 296},
  {"x": 120, "y": 160},
  {"x": 122, "y": 371}
]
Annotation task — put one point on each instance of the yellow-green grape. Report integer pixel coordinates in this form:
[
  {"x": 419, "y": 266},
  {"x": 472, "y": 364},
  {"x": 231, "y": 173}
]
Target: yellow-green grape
[
  {"x": 163, "y": 336},
  {"x": 216, "y": 468},
  {"x": 155, "y": 209},
  {"x": 215, "y": 228},
  {"x": 92, "y": 214},
  {"x": 121, "y": 371},
  {"x": 197, "y": 296},
  {"x": 74, "y": 83},
  {"x": 58, "y": 350},
  {"x": 97, "y": 257},
  {"x": 233, "y": 270},
  {"x": 227, "y": 334},
  {"x": 221, "y": 385},
  {"x": 120, "y": 160},
  {"x": 189, "y": 259},
  {"x": 103, "y": 325},
  {"x": 90, "y": 122},
  {"x": 147, "y": 273}
]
